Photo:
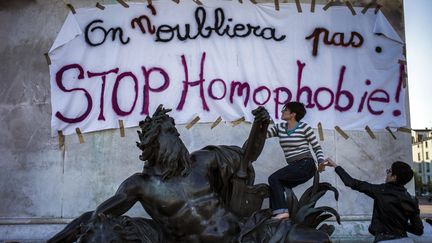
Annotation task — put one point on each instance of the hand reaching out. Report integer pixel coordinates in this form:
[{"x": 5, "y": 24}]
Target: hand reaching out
[
  {"x": 330, "y": 162},
  {"x": 326, "y": 162}
]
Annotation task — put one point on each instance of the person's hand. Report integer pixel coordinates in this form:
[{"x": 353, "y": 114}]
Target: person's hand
[
  {"x": 330, "y": 162},
  {"x": 261, "y": 115},
  {"x": 321, "y": 166}
]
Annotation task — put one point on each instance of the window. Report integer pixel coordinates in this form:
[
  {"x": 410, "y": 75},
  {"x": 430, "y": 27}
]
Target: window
[
  {"x": 418, "y": 145},
  {"x": 420, "y": 168},
  {"x": 427, "y": 155},
  {"x": 426, "y": 144},
  {"x": 428, "y": 179},
  {"x": 418, "y": 157},
  {"x": 419, "y": 137},
  {"x": 428, "y": 167}
]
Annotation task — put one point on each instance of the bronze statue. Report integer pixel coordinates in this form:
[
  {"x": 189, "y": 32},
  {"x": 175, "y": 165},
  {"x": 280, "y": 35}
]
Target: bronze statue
[{"x": 204, "y": 196}]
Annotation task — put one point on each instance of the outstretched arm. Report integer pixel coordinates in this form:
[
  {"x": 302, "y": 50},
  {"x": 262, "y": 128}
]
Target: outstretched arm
[
  {"x": 361, "y": 186},
  {"x": 115, "y": 205},
  {"x": 118, "y": 204},
  {"x": 122, "y": 201}
]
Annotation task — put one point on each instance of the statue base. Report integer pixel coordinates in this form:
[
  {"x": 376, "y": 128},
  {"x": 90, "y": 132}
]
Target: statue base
[{"x": 39, "y": 230}]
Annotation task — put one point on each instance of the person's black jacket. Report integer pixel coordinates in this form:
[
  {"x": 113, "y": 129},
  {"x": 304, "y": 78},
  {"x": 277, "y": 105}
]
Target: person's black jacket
[{"x": 395, "y": 211}]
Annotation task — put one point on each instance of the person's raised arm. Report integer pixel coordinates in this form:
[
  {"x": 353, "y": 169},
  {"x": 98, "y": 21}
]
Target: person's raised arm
[{"x": 358, "y": 185}]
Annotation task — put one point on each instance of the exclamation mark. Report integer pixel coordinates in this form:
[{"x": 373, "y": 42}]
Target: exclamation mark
[{"x": 399, "y": 88}]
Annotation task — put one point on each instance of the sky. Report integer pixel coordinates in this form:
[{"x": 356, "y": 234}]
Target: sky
[{"x": 418, "y": 32}]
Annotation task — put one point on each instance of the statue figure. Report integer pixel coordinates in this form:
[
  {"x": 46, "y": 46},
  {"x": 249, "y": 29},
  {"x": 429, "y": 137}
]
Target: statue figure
[{"x": 204, "y": 196}]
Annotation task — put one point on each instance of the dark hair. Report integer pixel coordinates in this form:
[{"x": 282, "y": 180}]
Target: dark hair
[
  {"x": 402, "y": 171},
  {"x": 296, "y": 107}
]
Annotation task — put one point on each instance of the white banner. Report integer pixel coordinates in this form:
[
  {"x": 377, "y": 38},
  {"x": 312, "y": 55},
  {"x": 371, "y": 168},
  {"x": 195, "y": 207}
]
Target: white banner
[{"x": 225, "y": 59}]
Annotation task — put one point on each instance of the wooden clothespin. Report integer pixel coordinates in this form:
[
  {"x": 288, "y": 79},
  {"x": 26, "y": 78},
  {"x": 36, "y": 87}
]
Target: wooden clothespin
[
  {"x": 123, "y": 3},
  {"x": 312, "y": 9},
  {"x": 373, "y": 3},
  {"x": 377, "y": 8},
  {"x": 341, "y": 132},
  {"x": 47, "y": 58},
  {"x": 276, "y": 3},
  {"x": 80, "y": 136},
  {"x": 198, "y": 2},
  {"x": 332, "y": 3},
  {"x": 391, "y": 133},
  {"x": 61, "y": 140},
  {"x": 149, "y": 2},
  {"x": 298, "y": 5},
  {"x": 238, "y": 121},
  {"x": 122, "y": 130},
  {"x": 100, "y": 6},
  {"x": 215, "y": 123},
  {"x": 404, "y": 129},
  {"x": 369, "y": 5},
  {"x": 320, "y": 132},
  {"x": 72, "y": 9},
  {"x": 193, "y": 122},
  {"x": 369, "y": 131},
  {"x": 350, "y": 6}
]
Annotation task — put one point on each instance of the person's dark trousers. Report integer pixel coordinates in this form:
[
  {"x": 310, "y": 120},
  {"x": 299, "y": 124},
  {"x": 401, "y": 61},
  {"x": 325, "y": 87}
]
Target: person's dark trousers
[{"x": 290, "y": 176}]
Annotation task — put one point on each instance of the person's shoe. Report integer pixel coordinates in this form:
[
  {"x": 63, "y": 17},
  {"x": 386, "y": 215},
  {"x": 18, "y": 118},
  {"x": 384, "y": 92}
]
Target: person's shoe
[{"x": 281, "y": 216}]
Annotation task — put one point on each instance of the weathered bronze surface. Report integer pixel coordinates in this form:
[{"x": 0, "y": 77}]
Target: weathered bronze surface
[{"x": 204, "y": 196}]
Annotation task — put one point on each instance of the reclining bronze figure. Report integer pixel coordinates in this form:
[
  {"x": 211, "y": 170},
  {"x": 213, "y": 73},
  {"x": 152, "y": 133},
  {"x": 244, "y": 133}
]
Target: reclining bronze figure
[{"x": 205, "y": 196}]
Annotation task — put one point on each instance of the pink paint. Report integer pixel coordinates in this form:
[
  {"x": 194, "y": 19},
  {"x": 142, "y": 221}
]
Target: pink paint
[
  {"x": 277, "y": 100},
  {"x": 345, "y": 93},
  {"x": 320, "y": 106},
  {"x": 363, "y": 99},
  {"x": 103, "y": 75},
  {"x": 259, "y": 89},
  {"x": 401, "y": 78},
  {"x": 114, "y": 101},
  {"x": 210, "y": 89},
  {"x": 374, "y": 98},
  {"x": 243, "y": 88},
  {"x": 148, "y": 88},
  {"x": 300, "y": 89},
  {"x": 397, "y": 113},
  {"x": 59, "y": 82},
  {"x": 323, "y": 98},
  {"x": 187, "y": 83}
]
